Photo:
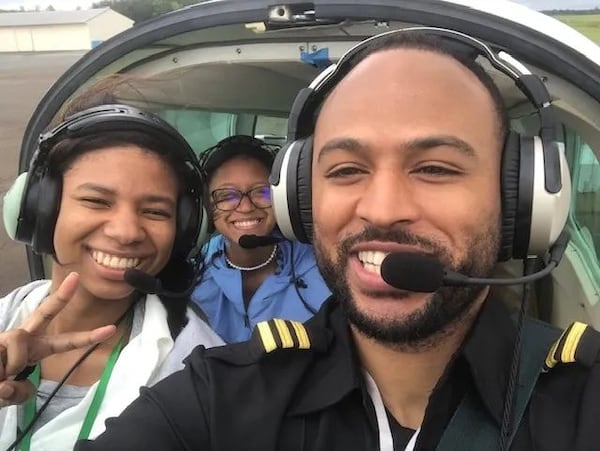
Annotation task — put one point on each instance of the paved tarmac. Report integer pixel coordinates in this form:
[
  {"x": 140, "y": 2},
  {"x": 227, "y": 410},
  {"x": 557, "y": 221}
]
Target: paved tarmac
[{"x": 24, "y": 79}]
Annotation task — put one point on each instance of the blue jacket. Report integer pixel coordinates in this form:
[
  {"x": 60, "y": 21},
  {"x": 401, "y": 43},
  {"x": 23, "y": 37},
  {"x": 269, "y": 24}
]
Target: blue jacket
[{"x": 219, "y": 292}]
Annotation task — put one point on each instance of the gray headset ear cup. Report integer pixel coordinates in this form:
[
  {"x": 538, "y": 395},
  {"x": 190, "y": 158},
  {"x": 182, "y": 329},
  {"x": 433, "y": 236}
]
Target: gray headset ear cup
[
  {"x": 48, "y": 206},
  {"x": 509, "y": 189},
  {"x": 304, "y": 189},
  {"x": 13, "y": 201}
]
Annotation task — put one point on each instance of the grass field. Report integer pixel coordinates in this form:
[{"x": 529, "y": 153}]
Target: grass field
[{"x": 587, "y": 24}]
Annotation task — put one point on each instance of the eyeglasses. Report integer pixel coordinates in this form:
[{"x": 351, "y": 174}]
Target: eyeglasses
[{"x": 228, "y": 199}]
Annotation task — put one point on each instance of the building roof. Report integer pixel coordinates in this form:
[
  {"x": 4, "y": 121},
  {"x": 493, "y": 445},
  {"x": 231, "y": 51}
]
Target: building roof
[{"x": 24, "y": 19}]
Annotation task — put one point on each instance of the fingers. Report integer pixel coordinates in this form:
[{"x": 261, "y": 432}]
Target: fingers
[
  {"x": 13, "y": 392},
  {"x": 48, "y": 309},
  {"x": 19, "y": 349},
  {"x": 44, "y": 346},
  {"x": 14, "y": 352}
]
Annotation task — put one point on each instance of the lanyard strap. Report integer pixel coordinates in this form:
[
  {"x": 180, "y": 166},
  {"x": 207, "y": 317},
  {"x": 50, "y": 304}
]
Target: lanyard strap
[
  {"x": 386, "y": 442},
  {"x": 92, "y": 413},
  {"x": 34, "y": 378}
]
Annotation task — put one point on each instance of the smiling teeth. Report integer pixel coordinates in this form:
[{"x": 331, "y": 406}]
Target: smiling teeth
[
  {"x": 246, "y": 224},
  {"x": 113, "y": 261},
  {"x": 371, "y": 260}
]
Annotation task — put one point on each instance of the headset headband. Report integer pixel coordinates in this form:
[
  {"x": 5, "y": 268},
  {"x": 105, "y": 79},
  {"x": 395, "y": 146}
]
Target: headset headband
[{"x": 532, "y": 86}]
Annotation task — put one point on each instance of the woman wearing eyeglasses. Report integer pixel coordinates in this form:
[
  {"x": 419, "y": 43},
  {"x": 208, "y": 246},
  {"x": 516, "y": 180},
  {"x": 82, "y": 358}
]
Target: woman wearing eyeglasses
[{"x": 241, "y": 287}]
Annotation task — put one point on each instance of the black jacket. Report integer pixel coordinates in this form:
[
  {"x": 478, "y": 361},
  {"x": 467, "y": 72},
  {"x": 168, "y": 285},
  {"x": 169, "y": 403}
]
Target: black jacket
[{"x": 271, "y": 394}]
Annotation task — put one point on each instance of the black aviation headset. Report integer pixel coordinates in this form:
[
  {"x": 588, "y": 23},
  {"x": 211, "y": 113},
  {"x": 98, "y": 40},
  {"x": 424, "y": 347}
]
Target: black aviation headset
[
  {"x": 535, "y": 180},
  {"x": 232, "y": 146},
  {"x": 32, "y": 204},
  {"x": 212, "y": 158}
]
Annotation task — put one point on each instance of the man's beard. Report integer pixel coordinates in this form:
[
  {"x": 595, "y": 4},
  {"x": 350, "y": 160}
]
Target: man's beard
[{"x": 443, "y": 310}]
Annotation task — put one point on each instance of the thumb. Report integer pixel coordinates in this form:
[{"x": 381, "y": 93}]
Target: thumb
[{"x": 15, "y": 392}]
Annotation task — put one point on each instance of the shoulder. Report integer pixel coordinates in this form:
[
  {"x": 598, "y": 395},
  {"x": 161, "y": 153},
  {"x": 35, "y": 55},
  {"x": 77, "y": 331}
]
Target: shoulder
[
  {"x": 578, "y": 344},
  {"x": 302, "y": 255},
  {"x": 22, "y": 300},
  {"x": 197, "y": 331},
  {"x": 567, "y": 394},
  {"x": 276, "y": 337},
  {"x": 301, "y": 250},
  {"x": 213, "y": 246}
]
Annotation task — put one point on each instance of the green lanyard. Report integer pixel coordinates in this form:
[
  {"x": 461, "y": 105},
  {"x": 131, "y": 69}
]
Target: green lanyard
[{"x": 92, "y": 412}]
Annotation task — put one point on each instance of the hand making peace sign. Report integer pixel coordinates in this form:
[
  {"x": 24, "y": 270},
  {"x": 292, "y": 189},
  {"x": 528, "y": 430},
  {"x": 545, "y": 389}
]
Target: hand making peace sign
[{"x": 29, "y": 343}]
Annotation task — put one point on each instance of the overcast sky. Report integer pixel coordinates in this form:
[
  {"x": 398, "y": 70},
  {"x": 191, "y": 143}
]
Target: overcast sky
[
  {"x": 43, "y": 4},
  {"x": 72, "y": 4}
]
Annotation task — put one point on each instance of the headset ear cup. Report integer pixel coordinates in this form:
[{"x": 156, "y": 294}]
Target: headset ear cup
[
  {"x": 206, "y": 225},
  {"x": 304, "y": 190},
  {"x": 509, "y": 189},
  {"x": 48, "y": 206},
  {"x": 11, "y": 208},
  {"x": 284, "y": 191},
  {"x": 187, "y": 226}
]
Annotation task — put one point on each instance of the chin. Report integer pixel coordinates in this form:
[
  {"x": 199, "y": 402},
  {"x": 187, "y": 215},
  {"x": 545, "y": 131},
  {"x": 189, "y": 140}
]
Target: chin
[
  {"x": 392, "y": 306},
  {"x": 117, "y": 291}
]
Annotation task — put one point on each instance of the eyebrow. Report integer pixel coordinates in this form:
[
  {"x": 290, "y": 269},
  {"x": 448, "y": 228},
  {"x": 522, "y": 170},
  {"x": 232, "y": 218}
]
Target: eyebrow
[
  {"x": 151, "y": 198},
  {"x": 430, "y": 142},
  {"x": 361, "y": 149}
]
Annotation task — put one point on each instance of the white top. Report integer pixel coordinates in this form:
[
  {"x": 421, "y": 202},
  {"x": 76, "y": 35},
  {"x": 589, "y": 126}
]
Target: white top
[
  {"x": 386, "y": 441},
  {"x": 148, "y": 357}
]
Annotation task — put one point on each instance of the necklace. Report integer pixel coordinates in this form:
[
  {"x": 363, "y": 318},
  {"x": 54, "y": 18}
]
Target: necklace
[{"x": 253, "y": 268}]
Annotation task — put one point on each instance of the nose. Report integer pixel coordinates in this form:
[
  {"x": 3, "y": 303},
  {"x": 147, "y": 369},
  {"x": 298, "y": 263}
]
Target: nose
[
  {"x": 388, "y": 199},
  {"x": 125, "y": 226},
  {"x": 245, "y": 206}
]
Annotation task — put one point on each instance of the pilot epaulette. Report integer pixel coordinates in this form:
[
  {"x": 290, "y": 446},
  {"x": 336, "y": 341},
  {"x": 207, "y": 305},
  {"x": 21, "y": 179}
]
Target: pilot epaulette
[
  {"x": 579, "y": 343},
  {"x": 281, "y": 334},
  {"x": 269, "y": 337}
]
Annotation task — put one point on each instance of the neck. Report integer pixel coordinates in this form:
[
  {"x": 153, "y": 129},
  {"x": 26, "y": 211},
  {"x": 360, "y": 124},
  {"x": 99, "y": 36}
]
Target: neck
[
  {"x": 85, "y": 311},
  {"x": 406, "y": 378},
  {"x": 248, "y": 257}
]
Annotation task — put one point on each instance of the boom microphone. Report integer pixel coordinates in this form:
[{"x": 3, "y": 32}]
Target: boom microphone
[
  {"x": 254, "y": 241},
  {"x": 425, "y": 274},
  {"x": 412, "y": 272},
  {"x": 148, "y": 284}
]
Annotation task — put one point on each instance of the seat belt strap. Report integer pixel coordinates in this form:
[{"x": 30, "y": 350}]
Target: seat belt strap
[{"x": 472, "y": 428}]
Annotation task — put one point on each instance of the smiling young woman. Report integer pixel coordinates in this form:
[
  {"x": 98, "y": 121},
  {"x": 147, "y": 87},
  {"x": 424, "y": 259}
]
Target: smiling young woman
[
  {"x": 111, "y": 188},
  {"x": 242, "y": 286}
]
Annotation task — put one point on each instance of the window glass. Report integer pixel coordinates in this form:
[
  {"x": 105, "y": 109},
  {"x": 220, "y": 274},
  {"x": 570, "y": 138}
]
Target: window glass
[
  {"x": 585, "y": 202},
  {"x": 272, "y": 130},
  {"x": 201, "y": 128}
]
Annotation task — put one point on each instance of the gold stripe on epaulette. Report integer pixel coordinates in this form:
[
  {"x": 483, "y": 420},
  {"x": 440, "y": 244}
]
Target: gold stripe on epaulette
[
  {"x": 564, "y": 349},
  {"x": 303, "y": 340},
  {"x": 266, "y": 336},
  {"x": 568, "y": 352},
  {"x": 284, "y": 333}
]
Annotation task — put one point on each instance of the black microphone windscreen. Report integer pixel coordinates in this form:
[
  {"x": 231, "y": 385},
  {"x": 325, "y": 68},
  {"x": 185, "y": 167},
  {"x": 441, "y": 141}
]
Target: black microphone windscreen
[
  {"x": 412, "y": 272},
  {"x": 142, "y": 281},
  {"x": 254, "y": 241}
]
